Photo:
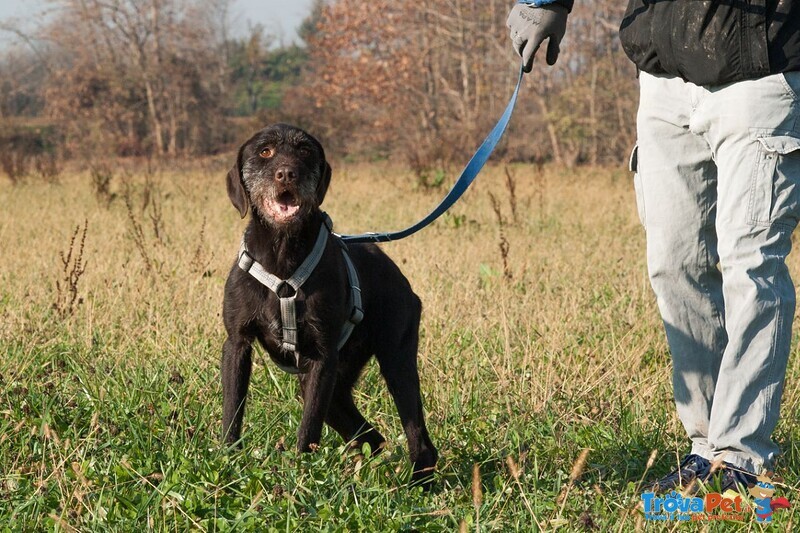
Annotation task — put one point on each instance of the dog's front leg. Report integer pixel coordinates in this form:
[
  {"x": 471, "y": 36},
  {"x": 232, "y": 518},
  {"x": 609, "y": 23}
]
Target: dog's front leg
[
  {"x": 236, "y": 366},
  {"x": 316, "y": 387}
]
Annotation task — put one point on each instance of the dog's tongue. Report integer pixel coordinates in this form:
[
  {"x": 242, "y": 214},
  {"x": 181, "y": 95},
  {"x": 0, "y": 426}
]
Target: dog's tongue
[
  {"x": 284, "y": 207},
  {"x": 288, "y": 210}
]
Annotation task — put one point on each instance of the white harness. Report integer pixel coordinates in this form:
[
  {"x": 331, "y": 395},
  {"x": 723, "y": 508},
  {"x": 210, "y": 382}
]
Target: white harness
[{"x": 300, "y": 276}]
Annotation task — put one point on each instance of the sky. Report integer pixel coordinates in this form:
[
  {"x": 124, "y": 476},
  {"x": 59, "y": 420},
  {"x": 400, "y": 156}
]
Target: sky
[{"x": 279, "y": 17}]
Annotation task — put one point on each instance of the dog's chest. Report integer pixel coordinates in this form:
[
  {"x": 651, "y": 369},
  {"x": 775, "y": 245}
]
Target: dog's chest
[
  {"x": 270, "y": 330},
  {"x": 267, "y": 317}
]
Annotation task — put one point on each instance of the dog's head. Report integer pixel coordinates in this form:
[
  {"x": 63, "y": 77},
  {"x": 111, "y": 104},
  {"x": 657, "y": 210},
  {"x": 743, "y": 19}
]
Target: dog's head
[{"x": 281, "y": 172}]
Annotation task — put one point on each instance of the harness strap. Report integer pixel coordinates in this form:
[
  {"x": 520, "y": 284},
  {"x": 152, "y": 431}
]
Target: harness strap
[
  {"x": 357, "y": 312},
  {"x": 276, "y": 284},
  {"x": 289, "y": 324},
  {"x": 288, "y": 304}
]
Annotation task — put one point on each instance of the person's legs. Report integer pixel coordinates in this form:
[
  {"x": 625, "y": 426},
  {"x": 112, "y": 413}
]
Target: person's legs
[
  {"x": 752, "y": 129},
  {"x": 677, "y": 181}
]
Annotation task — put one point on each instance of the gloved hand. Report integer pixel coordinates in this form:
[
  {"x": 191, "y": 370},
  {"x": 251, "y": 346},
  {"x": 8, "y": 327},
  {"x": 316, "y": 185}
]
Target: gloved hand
[{"x": 530, "y": 26}]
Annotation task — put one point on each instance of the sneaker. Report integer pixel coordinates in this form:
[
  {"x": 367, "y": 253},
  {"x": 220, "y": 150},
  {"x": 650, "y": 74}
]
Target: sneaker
[
  {"x": 735, "y": 479},
  {"x": 692, "y": 467}
]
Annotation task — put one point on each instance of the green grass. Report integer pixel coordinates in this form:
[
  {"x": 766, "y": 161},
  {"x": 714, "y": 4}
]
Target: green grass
[{"x": 110, "y": 414}]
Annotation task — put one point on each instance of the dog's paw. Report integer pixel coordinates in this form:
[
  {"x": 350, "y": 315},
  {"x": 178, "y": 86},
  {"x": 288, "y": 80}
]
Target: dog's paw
[
  {"x": 424, "y": 470},
  {"x": 374, "y": 440},
  {"x": 231, "y": 444}
]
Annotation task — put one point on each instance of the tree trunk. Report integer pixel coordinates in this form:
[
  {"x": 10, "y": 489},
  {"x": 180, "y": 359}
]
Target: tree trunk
[
  {"x": 158, "y": 135},
  {"x": 551, "y": 130}
]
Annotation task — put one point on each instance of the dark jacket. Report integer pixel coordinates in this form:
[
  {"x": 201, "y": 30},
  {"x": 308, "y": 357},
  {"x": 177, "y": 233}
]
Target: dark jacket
[
  {"x": 566, "y": 3},
  {"x": 713, "y": 42}
]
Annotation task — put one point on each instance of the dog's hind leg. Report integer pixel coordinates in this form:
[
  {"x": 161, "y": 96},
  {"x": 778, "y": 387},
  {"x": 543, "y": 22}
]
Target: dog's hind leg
[
  {"x": 236, "y": 366},
  {"x": 399, "y": 369},
  {"x": 344, "y": 417}
]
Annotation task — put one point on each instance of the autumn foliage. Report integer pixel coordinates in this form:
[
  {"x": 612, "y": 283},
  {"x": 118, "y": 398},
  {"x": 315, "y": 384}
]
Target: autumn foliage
[
  {"x": 418, "y": 82},
  {"x": 425, "y": 82}
]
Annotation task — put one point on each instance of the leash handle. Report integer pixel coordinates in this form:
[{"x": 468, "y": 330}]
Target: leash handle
[{"x": 468, "y": 175}]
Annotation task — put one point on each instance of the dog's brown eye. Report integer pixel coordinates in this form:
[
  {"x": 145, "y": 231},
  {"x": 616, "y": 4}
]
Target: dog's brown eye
[{"x": 266, "y": 153}]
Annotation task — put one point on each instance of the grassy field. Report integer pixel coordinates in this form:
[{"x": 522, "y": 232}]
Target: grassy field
[{"x": 544, "y": 367}]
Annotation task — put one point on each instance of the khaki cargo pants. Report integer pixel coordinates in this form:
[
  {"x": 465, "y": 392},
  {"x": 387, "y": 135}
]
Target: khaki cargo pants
[{"x": 718, "y": 191}]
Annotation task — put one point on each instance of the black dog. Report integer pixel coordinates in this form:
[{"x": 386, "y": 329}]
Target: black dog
[{"x": 281, "y": 175}]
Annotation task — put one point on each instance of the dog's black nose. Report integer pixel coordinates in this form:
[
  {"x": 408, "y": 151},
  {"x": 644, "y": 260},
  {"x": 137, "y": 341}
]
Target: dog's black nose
[{"x": 285, "y": 174}]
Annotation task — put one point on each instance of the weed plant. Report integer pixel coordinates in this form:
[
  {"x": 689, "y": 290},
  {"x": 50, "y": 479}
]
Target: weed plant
[{"x": 545, "y": 371}]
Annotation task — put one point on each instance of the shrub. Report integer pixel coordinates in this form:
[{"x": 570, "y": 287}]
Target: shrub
[{"x": 28, "y": 151}]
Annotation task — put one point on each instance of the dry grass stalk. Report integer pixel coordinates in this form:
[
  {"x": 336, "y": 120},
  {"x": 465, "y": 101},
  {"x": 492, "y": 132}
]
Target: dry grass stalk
[
  {"x": 137, "y": 233},
  {"x": 513, "y": 468},
  {"x": 156, "y": 217},
  {"x": 73, "y": 268},
  {"x": 62, "y": 524},
  {"x": 578, "y": 468},
  {"x": 540, "y": 186},
  {"x": 650, "y": 462},
  {"x": 477, "y": 494},
  {"x": 477, "y": 491},
  {"x": 717, "y": 463},
  {"x": 503, "y": 244},
  {"x": 690, "y": 488},
  {"x": 511, "y": 187},
  {"x": 102, "y": 176},
  {"x": 639, "y": 522},
  {"x": 199, "y": 264},
  {"x": 515, "y": 471}
]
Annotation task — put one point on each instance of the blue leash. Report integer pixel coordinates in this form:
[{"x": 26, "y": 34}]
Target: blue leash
[{"x": 468, "y": 175}]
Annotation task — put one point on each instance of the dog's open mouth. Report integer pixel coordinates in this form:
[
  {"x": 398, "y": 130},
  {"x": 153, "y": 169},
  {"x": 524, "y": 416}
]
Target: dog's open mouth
[{"x": 283, "y": 207}]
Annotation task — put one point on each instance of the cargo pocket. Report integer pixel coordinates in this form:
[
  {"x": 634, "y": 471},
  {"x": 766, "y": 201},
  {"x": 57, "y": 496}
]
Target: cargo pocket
[
  {"x": 775, "y": 184},
  {"x": 633, "y": 166}
]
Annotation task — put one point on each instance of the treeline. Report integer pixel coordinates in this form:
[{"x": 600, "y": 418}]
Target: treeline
[{"x": 418, "y": 82}]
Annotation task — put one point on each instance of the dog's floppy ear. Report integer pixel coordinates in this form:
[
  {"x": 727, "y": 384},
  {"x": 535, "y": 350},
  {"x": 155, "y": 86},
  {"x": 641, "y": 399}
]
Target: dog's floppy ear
[
  {"x": 324, "y": 181},
  {"x": 236, "y": 190}
]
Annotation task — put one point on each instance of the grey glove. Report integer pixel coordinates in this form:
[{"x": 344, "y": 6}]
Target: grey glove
[{"x": 530, "y": 26}]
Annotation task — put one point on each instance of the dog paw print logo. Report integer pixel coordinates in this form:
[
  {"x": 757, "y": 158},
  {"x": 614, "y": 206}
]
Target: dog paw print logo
[{"x": 762, "y": 493}]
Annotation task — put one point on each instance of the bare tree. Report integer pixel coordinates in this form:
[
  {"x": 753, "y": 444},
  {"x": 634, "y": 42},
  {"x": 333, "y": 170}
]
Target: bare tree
[
  {"x": 427, "y": 80},
  {"x": 144, "y": 73},
  {"x": 420, "y": 81}
]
